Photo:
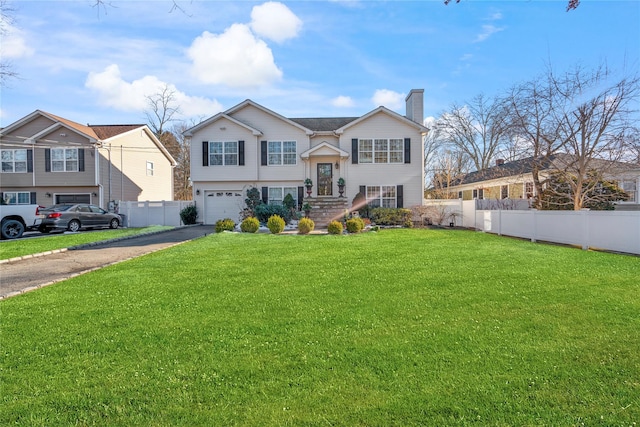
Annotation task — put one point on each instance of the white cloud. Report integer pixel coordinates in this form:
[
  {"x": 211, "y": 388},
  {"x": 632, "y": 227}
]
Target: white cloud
[
  {"x": 274, "y": 21},
  {"x": 234, "y": 58},
  {"x": 487, "y": 31},
  {"x": 114, "y": 91},
  {"x": 342, "y": 101},
  {"x": 14, "y": 44},
  {"x": 388, "y": 98}
]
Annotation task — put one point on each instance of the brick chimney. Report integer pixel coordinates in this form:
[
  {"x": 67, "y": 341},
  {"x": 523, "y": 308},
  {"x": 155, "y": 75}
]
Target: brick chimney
[
  {"x": 415, "y": 105},
  {"x": 499, "y": 162}
]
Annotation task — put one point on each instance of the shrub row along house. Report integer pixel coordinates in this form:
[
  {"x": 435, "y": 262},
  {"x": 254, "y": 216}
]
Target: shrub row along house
[
  {"x": 47, "y": 159},
  {"x": 379, "y": 154}
]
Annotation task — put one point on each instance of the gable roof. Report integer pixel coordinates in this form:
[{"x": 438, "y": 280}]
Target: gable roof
[
  {"x": 388, "y": 112},
  {"x": 310, "y": 125},
  {"x": 324, "y": 124},
  {"x": 109, "y": 131}
]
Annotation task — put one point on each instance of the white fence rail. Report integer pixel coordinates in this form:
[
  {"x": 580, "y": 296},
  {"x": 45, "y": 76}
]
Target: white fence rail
[
  {"x": 617, "y": 231},
  {"x": 144, "y": 214}
]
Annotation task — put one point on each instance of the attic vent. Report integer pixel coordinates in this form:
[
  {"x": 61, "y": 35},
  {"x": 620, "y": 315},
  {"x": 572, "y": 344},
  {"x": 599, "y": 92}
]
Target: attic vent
[{"x": 63, "y": 134}]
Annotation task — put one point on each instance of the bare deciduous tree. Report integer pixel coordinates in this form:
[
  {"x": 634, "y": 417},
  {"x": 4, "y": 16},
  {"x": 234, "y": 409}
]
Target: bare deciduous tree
[
  {"x": 478, "y": 129},
  {"x": 7, "y": 71},
  {"x": 581, "y": 115},
  {"x": 182, "y": 171},
  {"x": 161, "y": 109},
  {"x": 571, "y": 4}
]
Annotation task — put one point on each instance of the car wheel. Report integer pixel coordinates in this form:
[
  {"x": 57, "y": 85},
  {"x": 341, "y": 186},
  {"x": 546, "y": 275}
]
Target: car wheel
[
  {"x": 74, "y": 225},
  {"x": 114, "y": 223},
  {"x": 12, "y": 229}
]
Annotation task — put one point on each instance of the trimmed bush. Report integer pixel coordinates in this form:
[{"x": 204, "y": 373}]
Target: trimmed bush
[
  {"x": 390, "y": 216},
  {"x": 250, "y": 225},
  {"x": 306, "y": 226},
  {"x": 334, "y": 227},
  {"x": 264, "y": 212},
  {"x": 189, "y": 215},
  {"x": 275, "y": 224},
  {"x": 226, "y": 224},
  {"x": 355, "y": 225}
]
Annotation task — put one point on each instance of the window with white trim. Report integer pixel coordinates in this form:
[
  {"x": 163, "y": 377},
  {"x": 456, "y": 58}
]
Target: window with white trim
[
  {"x": 281, "y": 153},
  {"x": 64, "y": 160},
  {"x": 223, "y": 153},
  {"x": 277, "y": 194},
  {"x": 16, "y": 197},
  {"x": 478, "y": 193},
  {"x": 149, "y": 168},
  {"x": 528, "y": 190},
  {"x": 14, "y": 161},
  {"x": 381, "y": 150},
  {"x": 629, "y": 187},
  {"x": 382, "y": 196},
  {"x": 504, "y": 192}
]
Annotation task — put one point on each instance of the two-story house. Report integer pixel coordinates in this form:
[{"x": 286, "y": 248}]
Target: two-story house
[
  {"x": 47, "y": 160},
  {"x": 379, "y": 154}
]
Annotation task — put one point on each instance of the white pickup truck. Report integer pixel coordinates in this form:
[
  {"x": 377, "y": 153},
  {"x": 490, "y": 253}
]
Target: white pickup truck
[{"x": 18, "y": 218}]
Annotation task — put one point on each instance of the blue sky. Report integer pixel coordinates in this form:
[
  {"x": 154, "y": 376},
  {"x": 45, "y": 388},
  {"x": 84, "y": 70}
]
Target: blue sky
[{"x": 300, "y": 58}]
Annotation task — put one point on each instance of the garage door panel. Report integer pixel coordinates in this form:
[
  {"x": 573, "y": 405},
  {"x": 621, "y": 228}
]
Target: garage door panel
[{"x": 221, "y": 205}]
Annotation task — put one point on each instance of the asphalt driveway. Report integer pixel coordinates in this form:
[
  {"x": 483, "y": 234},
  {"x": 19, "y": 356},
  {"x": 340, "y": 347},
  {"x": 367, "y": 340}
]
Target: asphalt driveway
[{"x": 32, "y": 273}]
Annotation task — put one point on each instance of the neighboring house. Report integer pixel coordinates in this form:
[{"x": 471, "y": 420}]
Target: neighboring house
[
  {"x": 514, "y": 180},
  {"x": 47, "y": 159},
  {"x": 379, "y": 154}
]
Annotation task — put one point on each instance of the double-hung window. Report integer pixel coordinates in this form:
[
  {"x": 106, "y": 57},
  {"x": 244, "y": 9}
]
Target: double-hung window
[
  {"x": 381, "y": 150},
  {"x": 149, "y": 168},
  {"x": 281, "y": 152},
  {"x": 64, "y": 160},
  {"x": 629, "y": 187},
  {"x": 277, "y": 194},
  {"x": 16, "y": 197},
  {"x": 14, "y": 161},
  {"x": 223, "y": 153},
  {"x": 382, "y": 196}
]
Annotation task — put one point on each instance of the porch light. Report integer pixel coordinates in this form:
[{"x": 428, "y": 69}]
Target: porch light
[{"x": 337, "y": 165}]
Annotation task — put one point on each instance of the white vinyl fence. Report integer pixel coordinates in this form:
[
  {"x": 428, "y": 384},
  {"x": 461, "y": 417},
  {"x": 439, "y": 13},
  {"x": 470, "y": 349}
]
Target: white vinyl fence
[
  {"x": 617, "y": 231},
  {"x": 143, "y": 214}
]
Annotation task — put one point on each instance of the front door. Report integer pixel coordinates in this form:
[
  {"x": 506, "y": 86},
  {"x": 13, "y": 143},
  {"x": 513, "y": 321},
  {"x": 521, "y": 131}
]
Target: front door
[{"x": 325, "y": 177}]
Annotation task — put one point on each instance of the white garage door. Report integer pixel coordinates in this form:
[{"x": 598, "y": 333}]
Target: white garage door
[{"x": 221, "y": 205}]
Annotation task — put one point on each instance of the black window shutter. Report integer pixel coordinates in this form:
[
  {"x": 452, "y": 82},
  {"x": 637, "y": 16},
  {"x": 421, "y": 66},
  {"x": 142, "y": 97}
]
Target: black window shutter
[
  {"x": 265, "y": 195},
  {"x": 32, "y": 197},
  {"x": 263, "y": 153},
  {"x": 80, "y": 159},
  {"x": 2, "y": 196},
  {"x": 29, "y": 160},
  {"x": 205, "y": 153},
  {"x": 407, "y": 150},
  {"x": 363, "y": 190},
  {"x": 47, "y": 160},
  {"x": 300, "y": 196},
  {"x": 240, "y": 153},
  {"x": 399, "y": 196},
  {"x": 354, "y": 151}
]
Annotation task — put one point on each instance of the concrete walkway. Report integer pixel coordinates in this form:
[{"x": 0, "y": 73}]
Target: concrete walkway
[{"x": 30, "y": 273}]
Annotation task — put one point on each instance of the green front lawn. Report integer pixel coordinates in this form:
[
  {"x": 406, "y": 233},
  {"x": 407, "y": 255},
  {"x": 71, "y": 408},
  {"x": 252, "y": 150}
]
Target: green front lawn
[
  {"x": 397, "y": 328},
  {"x": 28, "y": 246}
]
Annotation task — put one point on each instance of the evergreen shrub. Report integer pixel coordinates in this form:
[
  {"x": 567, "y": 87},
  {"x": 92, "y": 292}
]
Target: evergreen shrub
[
  {"x": 355, "y": 225},
  {"x": 189, "y": 215},
  {"x": 334, "y": 227},
  {"x": 275, "y": 224},
  {"x": 306, "y": 226},
  {"x": 250, "y": 225},
  {"x": 226, "y": 224}
]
